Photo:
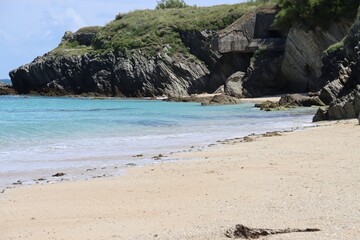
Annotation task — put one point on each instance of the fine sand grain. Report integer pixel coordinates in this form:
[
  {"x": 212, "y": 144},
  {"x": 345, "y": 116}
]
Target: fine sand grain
[{"x": 303, "y": 179}]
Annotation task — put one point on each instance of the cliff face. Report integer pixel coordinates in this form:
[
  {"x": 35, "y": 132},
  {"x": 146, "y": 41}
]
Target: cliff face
[
  {"x": 111, "y": 75},
  {"x": 233, "y": 46},
  {"x": 303, "y": 50},
  {"x": 342, "y": 72},
  {"x": 191, "y": 65}
]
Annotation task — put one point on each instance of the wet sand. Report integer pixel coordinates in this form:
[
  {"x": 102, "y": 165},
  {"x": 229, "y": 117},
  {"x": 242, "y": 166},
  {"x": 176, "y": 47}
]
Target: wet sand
[{"x": 301, "y": 179}]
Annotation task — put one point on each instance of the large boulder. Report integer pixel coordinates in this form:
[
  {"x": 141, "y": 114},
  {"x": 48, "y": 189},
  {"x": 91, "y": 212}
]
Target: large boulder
[
  {"x": 346, "y": 107},
  {"x": 221, "y": 100},
  {"x": 304, "y": 47},
  {"x": 233, "y": 85}
]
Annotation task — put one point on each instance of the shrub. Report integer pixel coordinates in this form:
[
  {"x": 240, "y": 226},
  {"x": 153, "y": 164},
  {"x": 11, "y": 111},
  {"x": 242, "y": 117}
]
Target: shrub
[
  {"x": 164, "y": 4},
  {"x": 315, "y": 12}
]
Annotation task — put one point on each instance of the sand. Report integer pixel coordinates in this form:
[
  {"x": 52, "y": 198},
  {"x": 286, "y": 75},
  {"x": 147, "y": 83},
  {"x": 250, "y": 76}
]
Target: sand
[{"x": 302, "y": 179}]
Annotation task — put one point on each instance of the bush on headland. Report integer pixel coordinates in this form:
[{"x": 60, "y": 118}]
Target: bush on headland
[
  {"x": 163, "y": 4},
  {"x": 315, "y": 12}
]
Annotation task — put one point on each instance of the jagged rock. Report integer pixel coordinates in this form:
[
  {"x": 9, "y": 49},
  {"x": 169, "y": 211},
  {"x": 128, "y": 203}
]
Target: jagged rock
[
  {"x": 199, "y": 43},
  {"x": 271, "y": 106},
  {"x": 188, "y": 99},
  {"x": 243, "y": 232},
  {"x": 233, "y": 85},
  {"x": 321, "y": 114},
  {"x": 346, "y": 107},
  {"x": 59, "y": 175},
  {"x": 221, "y": 100},
  {"x": 220, "y": 90},
  {"x": 302, "y": 63},
  {"x": 6, "y": 89},
  {"x": 331, "y": 91},
  {"x": 342, "y": 71},
  {"x": 84, "y": 36},
  {"x": 262, "y": 77},
  {"x": 131, "y": 76},
  {"x": 300, "y": 100}
]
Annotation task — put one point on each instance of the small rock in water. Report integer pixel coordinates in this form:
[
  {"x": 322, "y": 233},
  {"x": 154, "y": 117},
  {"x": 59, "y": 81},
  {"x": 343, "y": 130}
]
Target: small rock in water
[
  {"x": 158, "y": 157},
  {"x": 19, "y": 182},
  {"x": 139, "y": 155},
  {"x": 131, "y": 164},
  {"x": 59, "y": 175}
]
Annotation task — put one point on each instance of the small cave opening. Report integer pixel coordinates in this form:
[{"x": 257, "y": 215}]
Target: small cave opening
[{"x": 273, "y": 33}]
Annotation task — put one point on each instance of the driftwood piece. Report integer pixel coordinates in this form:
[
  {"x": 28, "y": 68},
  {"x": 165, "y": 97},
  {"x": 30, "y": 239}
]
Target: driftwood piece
[{"x": 243, "y": 232}]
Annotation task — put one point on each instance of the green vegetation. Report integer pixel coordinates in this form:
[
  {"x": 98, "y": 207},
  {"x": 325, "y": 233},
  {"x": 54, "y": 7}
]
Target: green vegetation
[
  {"x": 151, "y": 30},
  {"x": 163, "y": 4},
  {"x": 335, "y": 47},
  {"x": 315, "y": 12},
  {"x": 91, "y": 29}
]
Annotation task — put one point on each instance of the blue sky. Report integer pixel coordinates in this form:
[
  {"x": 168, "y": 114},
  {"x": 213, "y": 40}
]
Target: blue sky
[{"x": 30, "y": 28}]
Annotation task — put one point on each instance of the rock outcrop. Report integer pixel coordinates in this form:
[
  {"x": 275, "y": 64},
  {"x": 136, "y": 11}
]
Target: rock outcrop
[
  {"x": 6, "y": 89},
  {"x": 303, "y": 50},
  {"x": 248, "y": 58},
  {"x": 108, "y": 74},
  {"x": 234, "y": 85},
  {"x": 342, "y": 72},
  {"x": 221, "y": 100},
  {"x": 168, "y": 72}
]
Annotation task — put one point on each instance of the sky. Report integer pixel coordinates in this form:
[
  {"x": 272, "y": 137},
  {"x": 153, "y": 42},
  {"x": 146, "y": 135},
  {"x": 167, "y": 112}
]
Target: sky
[{"x": 30, "y": 28}]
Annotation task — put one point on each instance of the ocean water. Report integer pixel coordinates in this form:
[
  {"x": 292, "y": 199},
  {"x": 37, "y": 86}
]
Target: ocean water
[
  {"x": 43, "y": 133},
  {"x": 7, "y": 81}
]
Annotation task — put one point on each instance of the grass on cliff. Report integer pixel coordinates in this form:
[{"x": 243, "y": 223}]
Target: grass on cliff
[
  {"x": 152, "y": 29},
  {"x": 315, "y": 12}
]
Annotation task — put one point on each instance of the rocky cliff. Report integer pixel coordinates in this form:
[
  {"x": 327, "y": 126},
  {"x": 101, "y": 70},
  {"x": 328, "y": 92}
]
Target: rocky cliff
[
  {"x": 341, "y": 72},
  {"x": 194, "y": 61},
  {"x": 172, "y": 58},
  {"x": 179, "y": 52},
  {"x": 303, "y": 50}
]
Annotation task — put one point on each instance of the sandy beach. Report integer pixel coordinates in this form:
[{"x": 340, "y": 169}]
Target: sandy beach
[{"x": 301, "y": 179}]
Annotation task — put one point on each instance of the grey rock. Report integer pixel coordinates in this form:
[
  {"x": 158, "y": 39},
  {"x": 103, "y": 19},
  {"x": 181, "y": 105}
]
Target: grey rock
[
  {"x": 300, "y": 100},
  {"x": 221, "y": 100},
  {"x": 341, "y": 70},
  {"x": 250, "y": 32},
  {"x": 233, "y": 85},
  {"x": 131, "y": 76},
  {"x": 6, "y": 89},
  {"x": 345, "y": 108},
  {"x": 321, "y": 114},
  {"x": 331, "y": 91},
  {"x": 83, "y": 36},
  {"x": 303, "y": 50},
  {"x": 262, "y": 77}
]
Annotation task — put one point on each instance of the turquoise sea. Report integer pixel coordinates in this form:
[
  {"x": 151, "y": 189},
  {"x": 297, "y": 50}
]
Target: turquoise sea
[{"x": 43, "y": 133}]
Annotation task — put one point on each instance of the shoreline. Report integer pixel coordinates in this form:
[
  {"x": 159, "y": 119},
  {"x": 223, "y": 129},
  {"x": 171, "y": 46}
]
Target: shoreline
[
  {"x": 114, "y": 165},
  {"x": 301, "y": 179},
  {"x": 88, "y": 173}
]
